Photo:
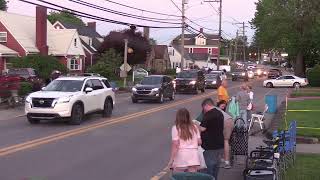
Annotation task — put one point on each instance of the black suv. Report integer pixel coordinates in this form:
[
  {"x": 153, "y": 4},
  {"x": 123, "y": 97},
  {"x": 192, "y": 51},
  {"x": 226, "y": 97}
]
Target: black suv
[
  {"x": 240, "y": 74},
  {"x": 154, "y": 87},
  {"x": 213, "y": 80},
  {"x": 190, "y": 80}
]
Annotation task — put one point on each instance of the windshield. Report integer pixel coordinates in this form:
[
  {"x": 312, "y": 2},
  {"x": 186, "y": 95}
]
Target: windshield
[
  {"x": 187, "y": 74},
  {"x": 65, "y": 86},
  {"x": 151, "y": 81},
  {"x": 211, "y": 76}
]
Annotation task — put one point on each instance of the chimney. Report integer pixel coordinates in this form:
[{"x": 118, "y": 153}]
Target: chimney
[
  {"x": 41, "y": 30},
  {"x": 201, "y": 30},
  {"x": 146, "y": 32},
  {"x": 92, "y": 25}
]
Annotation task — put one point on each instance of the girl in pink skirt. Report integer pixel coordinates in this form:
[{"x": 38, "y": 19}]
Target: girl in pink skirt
[{"x": 185, "y": 142}]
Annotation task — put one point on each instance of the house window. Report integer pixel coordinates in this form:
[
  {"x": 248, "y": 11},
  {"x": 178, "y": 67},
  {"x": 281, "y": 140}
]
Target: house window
[
  {"x": 75, "y": 64},
  {"x": 210, "y": 51},
  {"x": 200, "y": 40},
  {"x": 190, "y": 50},
  {"x": 3, "y": 37},
  {"x": 75, "y": 42}
]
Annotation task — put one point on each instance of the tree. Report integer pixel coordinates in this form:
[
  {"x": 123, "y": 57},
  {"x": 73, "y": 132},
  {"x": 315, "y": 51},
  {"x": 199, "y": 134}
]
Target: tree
[
  {"x": 64, "y": 16},
  {"x": 139, "y": 44},
  {"x": 44, "y": 65},
  {"x": 289, "y": 25},
  {"x": 3, "y": 5},
  {"x": 107, "y": 64},
  {"x": 153, "y": 41}
]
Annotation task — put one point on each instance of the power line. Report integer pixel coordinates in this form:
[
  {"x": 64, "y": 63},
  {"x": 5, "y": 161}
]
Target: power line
[
  {"x": 85, "y": 15},
  {"x": 121, "y": 13},
  {"x": 190, "y": 19},
  {"x": 131, "y": 7}
]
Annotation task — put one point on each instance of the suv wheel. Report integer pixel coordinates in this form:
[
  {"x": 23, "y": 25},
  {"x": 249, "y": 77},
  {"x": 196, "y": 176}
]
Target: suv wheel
[
  {"x": 134, "y": 100},
  {"x": 76, "y": 114},
  {"x": 107, "y": 108},
  {"x": 196, "y": 91},
  {"x": 172, "y": 96},
  {"x": 33, "y": 121},
  {"x": 269, "y": 85},
  {"x": 203, "y": 90},
  {"x": 161, "y": 98},
  {"x": 234, "y": 79}
]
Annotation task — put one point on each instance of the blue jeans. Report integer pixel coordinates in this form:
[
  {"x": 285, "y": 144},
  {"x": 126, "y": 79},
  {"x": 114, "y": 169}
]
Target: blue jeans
[
  {"x": 244, "y": 116},
  {"x": 212, "y": 159}
]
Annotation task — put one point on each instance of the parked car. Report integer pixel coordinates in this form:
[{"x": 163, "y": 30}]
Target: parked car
[
  {"x": 212, "y": 80},
  {"x": 274, "y": 73},
  {"x": 190, "y": 80},
  {"x": 71, "y": 97},
  {"x": 286, "y": 81},
  {"x": 27, "y": 74},
  {"x": 222, "y": 74},
  {"x": 154, "y": 87},
  {"x": 240, "y": 74}
]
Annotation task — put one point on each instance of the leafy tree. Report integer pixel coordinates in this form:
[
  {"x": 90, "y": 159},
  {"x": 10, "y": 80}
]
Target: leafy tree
[
  {"x": 139, "y": 44},
  {"x": 3, "y": 5},
  {"x": 44, "y": 65},
  {"x": 65, "y": 16},
  {"x": 289, "y": 25},
  {"x": 107, "y": 64},
  {"x": 153, "y": 41}
]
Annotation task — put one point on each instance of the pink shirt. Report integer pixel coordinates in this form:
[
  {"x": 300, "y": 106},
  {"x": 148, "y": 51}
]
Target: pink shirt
[{"x": 189, "y": 144}]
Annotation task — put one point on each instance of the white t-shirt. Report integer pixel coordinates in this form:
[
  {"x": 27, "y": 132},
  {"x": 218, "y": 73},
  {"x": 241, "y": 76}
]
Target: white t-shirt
[{"x": 251, "y": 95}]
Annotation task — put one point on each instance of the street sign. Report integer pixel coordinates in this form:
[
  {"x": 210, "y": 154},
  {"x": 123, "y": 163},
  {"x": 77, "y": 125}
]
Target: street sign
[
  {"x": 128, "y": 67},
  {"x": 123, "y": 74}
]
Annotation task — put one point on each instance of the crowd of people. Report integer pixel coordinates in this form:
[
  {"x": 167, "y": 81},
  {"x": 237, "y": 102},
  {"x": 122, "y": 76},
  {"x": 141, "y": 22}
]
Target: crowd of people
[{"x": 209, "y": 134}]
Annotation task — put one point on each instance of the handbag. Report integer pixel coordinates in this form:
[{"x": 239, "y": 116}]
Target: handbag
[{"x": 201, "y": 157}]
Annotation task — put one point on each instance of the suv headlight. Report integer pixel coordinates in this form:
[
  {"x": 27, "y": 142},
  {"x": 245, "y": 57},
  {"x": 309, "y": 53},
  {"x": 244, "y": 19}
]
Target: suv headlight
[
  {"x": 193, "y": 82},
  {"x": 29, "y": 99},
  {"x": 64, "y": 99},
  {"x": 214, "y": 82},
  {"x": 155, "y": 89},
  {"x": 243, "y": 74},
  {"x": 134, "y": 89}
]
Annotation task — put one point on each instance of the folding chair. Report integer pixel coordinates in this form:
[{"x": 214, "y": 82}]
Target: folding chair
[{"x": 258, "y": 118}]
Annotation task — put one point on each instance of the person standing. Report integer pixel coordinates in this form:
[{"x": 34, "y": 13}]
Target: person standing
[
  {"x": 212, "y": 136},
  {"x": 250, "y": 106},
  {"x": 185, "y": 142},
  {"x": 243, "y": 99},
  {"x": 223, "y": 92}
]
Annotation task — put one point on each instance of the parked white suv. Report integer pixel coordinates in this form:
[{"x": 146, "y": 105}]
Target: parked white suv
[{"x": 71, "y": 97}]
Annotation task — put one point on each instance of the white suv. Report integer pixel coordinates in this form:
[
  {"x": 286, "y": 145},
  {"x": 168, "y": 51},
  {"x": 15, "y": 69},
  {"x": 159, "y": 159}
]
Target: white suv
[{"x": 71, "y": 97}]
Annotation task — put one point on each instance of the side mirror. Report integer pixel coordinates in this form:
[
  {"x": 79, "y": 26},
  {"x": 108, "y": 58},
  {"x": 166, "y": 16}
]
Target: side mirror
[
  {"x": 43, "y": 88},
  {"x": 88, "y": 90}
]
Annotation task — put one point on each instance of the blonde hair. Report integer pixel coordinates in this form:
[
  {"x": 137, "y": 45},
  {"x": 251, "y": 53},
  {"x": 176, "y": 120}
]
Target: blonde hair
[{"x": 184, "y": 124}]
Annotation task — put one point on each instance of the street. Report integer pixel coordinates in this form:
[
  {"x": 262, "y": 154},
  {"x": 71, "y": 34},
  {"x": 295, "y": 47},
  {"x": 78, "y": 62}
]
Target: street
[{"x": 133, "y": 144}]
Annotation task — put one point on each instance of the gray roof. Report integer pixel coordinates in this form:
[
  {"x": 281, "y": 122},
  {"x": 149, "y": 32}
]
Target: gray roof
[
  {"x": 199, "y": 56},
  {"x": 82, "y": 30},
  {"x": 212, "y": 39}
]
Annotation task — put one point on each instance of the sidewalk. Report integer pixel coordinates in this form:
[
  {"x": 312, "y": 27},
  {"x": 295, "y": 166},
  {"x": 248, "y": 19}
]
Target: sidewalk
[
  {"x": 308, "y": 148},
  {"x": 11, "y": 113}
]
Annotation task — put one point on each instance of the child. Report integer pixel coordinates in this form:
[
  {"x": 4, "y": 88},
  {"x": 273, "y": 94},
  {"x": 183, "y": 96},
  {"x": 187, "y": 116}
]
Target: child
[{"x": 185, "y": 142}]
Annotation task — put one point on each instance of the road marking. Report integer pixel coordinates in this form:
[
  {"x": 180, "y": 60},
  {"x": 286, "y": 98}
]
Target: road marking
[
  {"x": 303, "y": 110},
  {"x": 308, "y": 128},
  {"x": 45, "y": 140}
]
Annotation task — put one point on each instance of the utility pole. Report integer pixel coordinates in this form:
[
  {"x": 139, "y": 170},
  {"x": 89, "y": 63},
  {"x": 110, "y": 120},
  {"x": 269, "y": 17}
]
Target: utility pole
[
  {"x": 182, "y": 34},
  {"x": 220, "y": 28},
  {"x": 236, "y": 47},
  {"x": 244, "y": 42},
  {"x": 125, "y": 62}
]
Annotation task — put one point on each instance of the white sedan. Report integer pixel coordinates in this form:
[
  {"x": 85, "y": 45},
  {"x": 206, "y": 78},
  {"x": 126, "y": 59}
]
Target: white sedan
[{"x": 286, "y": 81}]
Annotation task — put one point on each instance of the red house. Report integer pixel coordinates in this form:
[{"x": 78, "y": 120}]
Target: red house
[{"x": 23, "y": 35}]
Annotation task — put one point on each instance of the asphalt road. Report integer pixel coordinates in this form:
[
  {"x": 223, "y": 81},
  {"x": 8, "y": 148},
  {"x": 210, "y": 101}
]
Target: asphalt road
[{"x": 132, "y": 145}]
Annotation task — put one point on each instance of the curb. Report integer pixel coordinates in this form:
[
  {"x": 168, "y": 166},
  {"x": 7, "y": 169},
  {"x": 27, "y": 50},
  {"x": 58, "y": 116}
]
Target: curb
[{"x": 307, "y": 140}]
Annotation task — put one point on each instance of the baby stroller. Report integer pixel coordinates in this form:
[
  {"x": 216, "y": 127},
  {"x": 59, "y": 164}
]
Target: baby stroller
[{"x": 239, "y": 140}]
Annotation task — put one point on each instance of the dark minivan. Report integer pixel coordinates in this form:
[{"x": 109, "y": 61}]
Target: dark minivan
[
  {"x": 154, "y": 87},
  {"x": 190, "y": 80}
]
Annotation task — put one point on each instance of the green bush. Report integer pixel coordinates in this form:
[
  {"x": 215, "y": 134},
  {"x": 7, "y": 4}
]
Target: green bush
[
  {"x": 44, "y": 65},
  {"x": 313, "y": 76},
  {"x": 171, "y": 72},
  {"x": 25, "y": 88}
]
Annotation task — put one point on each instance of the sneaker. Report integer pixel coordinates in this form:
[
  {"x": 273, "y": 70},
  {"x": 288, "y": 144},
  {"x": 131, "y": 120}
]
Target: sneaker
[{"x": 227, "y": 166}]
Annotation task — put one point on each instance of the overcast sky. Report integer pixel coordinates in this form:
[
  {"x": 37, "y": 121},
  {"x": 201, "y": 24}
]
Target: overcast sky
[{"x": 199, "y": 11}]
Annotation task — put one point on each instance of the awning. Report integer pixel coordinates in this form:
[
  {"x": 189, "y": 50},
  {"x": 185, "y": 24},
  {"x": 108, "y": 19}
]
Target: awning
[{"x": 7, "y": 52}]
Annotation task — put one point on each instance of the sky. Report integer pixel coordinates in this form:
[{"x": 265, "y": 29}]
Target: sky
[{"x": 202, "y": 13}]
